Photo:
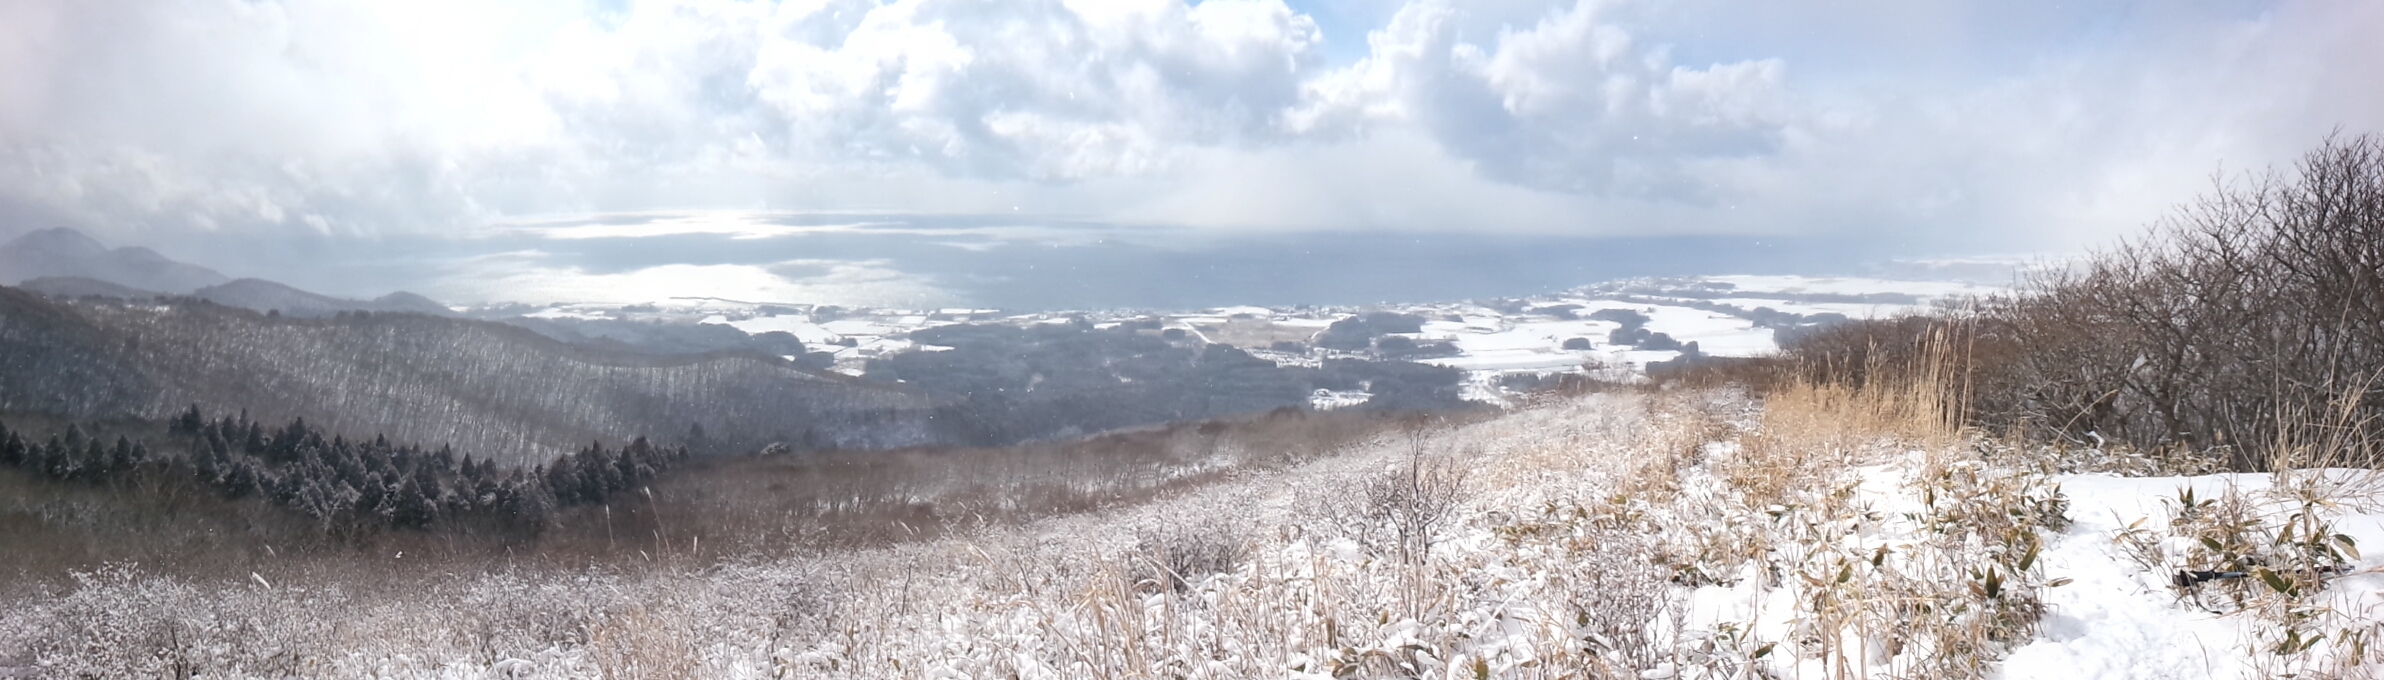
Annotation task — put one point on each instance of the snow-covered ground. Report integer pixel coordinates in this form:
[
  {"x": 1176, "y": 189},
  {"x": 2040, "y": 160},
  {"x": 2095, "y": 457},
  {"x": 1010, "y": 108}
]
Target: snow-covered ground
[
  {"x": 1685, "y": 535},
  {"x": 2105, "y": 615},
  {"x": 2117, "y": 619}
]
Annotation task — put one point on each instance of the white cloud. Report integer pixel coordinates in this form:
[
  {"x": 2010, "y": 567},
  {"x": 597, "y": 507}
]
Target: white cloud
[
  {"x": 1932, "y": 125},
  {"x": 1949, "y": 120},
  {"x": 1038, "y": 90},
  {"x": 1570, "y": 103}
]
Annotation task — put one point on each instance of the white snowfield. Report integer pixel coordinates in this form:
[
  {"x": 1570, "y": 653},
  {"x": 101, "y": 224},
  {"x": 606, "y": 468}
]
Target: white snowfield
[
  {"x": 2116, "y": 620},
  {"x": 1603, "y": 536},
  {"x": 1719, "y": 313}
]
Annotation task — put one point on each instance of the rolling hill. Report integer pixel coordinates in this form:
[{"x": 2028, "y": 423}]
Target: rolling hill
[
  {"x": 487, "y": 388},
  {"x": 262, "y": 295}
]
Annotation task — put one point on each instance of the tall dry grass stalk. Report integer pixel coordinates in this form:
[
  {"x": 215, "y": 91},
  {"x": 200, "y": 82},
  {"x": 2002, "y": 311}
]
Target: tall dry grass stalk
[
  {"x": 1784, "y": 503},
  {"x": 1823, "y": 419},
  {"x": 2339, "y": 438}
]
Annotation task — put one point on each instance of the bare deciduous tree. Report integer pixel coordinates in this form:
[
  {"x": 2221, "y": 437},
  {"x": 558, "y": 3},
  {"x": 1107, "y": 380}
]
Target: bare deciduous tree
[{"x": 2227, "y": 327}]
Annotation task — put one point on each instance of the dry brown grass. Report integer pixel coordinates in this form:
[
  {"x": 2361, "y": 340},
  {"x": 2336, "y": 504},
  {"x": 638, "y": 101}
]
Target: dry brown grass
[
  {"x": 647, "y": 640},
  {"x": 1823, "y": 420}
]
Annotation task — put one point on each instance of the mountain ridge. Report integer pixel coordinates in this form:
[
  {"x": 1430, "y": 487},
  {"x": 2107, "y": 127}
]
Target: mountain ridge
[
  {"x": 64, "y": 252},
  {"x": 489, "y": 388},
  {"x": 62, "y": 262},
  {"x": 263, "y": 295},
  {"x": 83, "y": 286}
]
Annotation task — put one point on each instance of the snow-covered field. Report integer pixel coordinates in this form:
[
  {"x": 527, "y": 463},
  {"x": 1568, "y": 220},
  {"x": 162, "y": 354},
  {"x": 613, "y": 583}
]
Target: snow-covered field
[
  {"x": 1681, "y": 535},
  {"x": 1726, "y": 316}
]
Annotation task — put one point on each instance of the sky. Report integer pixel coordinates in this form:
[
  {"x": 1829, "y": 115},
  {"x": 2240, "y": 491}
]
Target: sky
[{"x": 551, "y": 148}]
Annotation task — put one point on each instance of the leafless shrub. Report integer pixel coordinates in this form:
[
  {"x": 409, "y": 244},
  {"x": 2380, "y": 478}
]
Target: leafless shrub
[
  {"x": 1175, "y": 556},
  {"x": 1412, "y": 501},
  {"x": 123, "y": 621},
  {"x": 2262, "y": 300},
  {"x": 2226, "y": 325},
  {"x": 1616, "y": 600},
  {"x": 120, "y": 624},
  {"x": 511, "y": 615}
]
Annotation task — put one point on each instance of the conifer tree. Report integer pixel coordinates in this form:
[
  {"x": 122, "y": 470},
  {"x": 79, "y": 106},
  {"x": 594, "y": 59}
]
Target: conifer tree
[{"x": 188, "y": 423}]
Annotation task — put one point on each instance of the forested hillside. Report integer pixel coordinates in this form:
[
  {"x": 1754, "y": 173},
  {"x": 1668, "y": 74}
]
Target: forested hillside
[
  {"x": 343, "y": 489},
  {"x": 477, "y": 386}
]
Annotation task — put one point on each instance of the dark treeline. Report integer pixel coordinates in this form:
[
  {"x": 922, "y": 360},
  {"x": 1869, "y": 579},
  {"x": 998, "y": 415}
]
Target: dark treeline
[
  {"x": 2248, "y": 323},
  {"x": 1374, "y": 331},
  {"x": 1358, "y": 333},
  {"x": 347, "y": 488},
  {"x": 1633, "y": 332},
  {"x": 1066, "y": 379}
]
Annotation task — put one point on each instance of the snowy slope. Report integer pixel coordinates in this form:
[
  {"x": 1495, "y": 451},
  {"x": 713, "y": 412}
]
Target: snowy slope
[{"x": 1605, "y": 536}]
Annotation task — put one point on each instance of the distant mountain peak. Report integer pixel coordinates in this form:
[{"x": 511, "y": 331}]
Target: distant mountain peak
[
  {"x": 63, "y": 262},
  {"x": 57, "y": 241},
  {"x": 403, "y": 301},
  {"x": 64, "y": 252},
  {"x": 252, "y": 283}
]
